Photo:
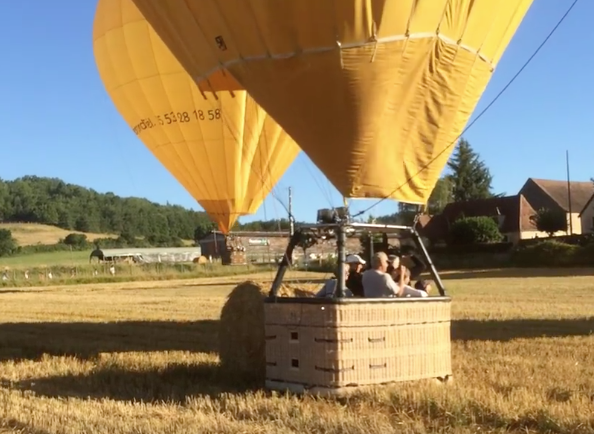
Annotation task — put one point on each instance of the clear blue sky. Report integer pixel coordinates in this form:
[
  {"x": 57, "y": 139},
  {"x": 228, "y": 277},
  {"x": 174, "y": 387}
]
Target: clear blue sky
[{"x": 57, "y": 120}]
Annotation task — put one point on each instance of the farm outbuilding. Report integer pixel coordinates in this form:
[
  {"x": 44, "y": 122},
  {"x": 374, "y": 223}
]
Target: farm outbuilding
[
  {"x": 262, "y": 247},
  {"x": 144, "y": 255}
]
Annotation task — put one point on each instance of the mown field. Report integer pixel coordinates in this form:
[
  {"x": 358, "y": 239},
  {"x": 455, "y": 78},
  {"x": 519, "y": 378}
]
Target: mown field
[
  {"x": 29, "y": 234},
  {"x": 142, "y": 358}
]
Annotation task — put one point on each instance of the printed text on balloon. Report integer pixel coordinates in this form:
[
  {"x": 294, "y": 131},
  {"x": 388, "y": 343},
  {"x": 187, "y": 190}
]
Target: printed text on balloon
[{"x": 177, "y": 117}]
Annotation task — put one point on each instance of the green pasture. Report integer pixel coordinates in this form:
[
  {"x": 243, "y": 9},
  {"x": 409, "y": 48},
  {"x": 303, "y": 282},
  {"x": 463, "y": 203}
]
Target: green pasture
[{"x": 65, "y": 258}]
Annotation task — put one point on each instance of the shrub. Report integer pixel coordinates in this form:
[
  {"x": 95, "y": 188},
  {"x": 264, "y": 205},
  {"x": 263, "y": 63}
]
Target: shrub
[
  {"x": 474, "y": 230},
  {"x": 76, "y": 240},
  {"x": 547, "y": 254}
]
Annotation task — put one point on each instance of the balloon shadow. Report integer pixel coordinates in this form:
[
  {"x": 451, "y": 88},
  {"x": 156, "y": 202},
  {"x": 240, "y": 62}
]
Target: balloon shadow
[
  {"x": 87, "y": 340},
  {"x": 516, "y": 273},
  {"x": 174, "y": 384},
  {"x": 507, "y": 330}
]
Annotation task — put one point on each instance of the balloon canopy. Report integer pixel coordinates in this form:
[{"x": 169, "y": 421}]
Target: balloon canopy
[
  {"x": 375, "y": 92},
  {"x": 210, "y": 134}
]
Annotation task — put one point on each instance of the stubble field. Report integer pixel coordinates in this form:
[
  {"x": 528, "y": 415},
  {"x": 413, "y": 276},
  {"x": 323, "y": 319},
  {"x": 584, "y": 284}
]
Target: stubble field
[{"x": 142, "y": 358}]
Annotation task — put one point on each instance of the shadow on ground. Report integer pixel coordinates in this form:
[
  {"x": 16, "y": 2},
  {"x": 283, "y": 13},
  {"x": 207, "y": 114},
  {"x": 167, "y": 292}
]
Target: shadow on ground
[
  {"x": 515, "y": 273},
  {"x": 506, "y": 330},
  {"x": 86, "y": 340},
  {"x": 178, "y": 382},
  {"x": 174, "y": 383}
]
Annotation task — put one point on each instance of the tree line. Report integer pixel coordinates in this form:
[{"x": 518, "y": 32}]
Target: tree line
[{"x": 51, "y": 201}]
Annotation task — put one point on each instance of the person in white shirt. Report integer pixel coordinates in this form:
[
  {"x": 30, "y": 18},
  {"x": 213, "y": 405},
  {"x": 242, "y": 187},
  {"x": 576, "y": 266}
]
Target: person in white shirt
[{"x": 377, "y": 283}]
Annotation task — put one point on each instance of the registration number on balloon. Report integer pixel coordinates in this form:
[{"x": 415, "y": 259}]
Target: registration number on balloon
[{"x": 177, "y": 117}]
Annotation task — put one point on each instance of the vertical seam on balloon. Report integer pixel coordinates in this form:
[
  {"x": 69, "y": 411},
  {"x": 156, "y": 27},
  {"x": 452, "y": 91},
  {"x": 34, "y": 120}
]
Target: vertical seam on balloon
[
  {"x": 498, "y": 50},
  {"x": 443, "y": 15},
  {"x": 238, "y": 167},
  {"x": 221, "y": 65},
  {"x": 258, "y": 29},
  {"x": 218, "y": 206},
  {"x": 248, "y": 127},
  {"x": 237, "y": 138},
  {"x": 187, "y": 172},
  {"x": 478, "y": 51},
  {"x": 241, "y": 59},
  {"x": 228, "y": 28},
  {"x": 374, "y": 39},
  {"x": 413, "y": 10},
  {"x": 256, "y": 156},
  {"x": 338, "y": 44},
  {"x": 138, "y": 81}
]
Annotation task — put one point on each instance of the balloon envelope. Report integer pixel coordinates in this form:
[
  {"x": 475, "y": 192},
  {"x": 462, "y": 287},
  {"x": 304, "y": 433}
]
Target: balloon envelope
[
  {"x": 211, "y": 136},
  {"x": 376, "y": 92}
]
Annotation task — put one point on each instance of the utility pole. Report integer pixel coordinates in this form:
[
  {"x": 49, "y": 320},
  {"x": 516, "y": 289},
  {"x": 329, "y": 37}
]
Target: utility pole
[
  {"x": 291, "y": 219},
  {"x": 569, "y": 193}
]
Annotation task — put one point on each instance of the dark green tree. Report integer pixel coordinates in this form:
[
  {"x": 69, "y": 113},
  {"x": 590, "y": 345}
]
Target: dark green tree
[
  {"x": 550, "y": 220},
  {"x": 470, "y": 177},
  {"x": 441, "y": 195},
  {"x": 7, "y": 243}
]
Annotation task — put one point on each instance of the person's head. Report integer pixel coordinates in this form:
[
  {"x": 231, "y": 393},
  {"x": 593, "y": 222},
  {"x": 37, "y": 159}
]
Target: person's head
[
  {"x": 407, "y": 250},
  {"x": 394, "y": 261},
  {"x": 355, "y": 263},
  {"x": 337, "y": 271},
  {"x": 379, "y": 261}
]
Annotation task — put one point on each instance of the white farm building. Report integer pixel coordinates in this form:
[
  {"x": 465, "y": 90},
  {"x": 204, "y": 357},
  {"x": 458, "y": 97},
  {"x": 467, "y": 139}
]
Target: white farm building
[{"x": 143, "y": 255}]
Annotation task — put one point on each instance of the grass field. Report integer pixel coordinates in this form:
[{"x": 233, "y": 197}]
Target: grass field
[
  {"x": 29, "y": 234},
  {"x": 142, "y": 358},
  {"x": 66, "y": 258}
]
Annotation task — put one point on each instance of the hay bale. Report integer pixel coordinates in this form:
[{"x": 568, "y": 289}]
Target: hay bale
[
  {"x": 241, "y": 336},
  {"x": 242, "y": 347}
]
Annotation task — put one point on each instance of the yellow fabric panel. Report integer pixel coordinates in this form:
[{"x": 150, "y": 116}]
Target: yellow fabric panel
[
  {"x": 374, "y": 91},
  {"x": 212, "y": 137}
]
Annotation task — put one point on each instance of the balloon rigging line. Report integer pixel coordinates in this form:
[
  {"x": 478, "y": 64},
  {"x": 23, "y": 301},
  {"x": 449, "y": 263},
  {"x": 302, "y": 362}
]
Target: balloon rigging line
[{"x": 501, "y": 92}]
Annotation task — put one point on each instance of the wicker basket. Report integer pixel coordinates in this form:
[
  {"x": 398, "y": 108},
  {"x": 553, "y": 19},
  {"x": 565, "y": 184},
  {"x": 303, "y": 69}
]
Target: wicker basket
[{"x": 334, "y": 346}]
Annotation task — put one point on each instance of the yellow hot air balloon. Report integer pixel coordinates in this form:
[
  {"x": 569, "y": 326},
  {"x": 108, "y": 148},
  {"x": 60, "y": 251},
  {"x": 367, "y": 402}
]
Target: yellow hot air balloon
[
  {"x": 210, "y": 135},
  {"x": 375, "y": 92}
]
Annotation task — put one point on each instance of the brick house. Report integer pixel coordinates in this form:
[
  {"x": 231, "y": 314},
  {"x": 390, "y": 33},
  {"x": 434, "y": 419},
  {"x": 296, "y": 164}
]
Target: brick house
[
  {"x": 544, "y": 193},
  {"x": 512, "y": 213}
]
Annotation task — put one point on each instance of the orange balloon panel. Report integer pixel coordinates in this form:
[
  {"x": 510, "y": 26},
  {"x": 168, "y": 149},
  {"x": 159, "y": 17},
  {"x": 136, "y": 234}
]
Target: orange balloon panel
[
  {"x": 211, "y": 136},
  {"x": 376, "y": 92}
]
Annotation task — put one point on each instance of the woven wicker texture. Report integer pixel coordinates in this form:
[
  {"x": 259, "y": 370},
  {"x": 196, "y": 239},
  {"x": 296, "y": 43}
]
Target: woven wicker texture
[{"x": 358, "y": 344}]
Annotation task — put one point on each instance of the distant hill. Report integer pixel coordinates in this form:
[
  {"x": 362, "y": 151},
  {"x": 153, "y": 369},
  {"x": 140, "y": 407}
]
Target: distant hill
[
  {"x": 44, "y": 210},
  {"x": 51, "y": 201}
]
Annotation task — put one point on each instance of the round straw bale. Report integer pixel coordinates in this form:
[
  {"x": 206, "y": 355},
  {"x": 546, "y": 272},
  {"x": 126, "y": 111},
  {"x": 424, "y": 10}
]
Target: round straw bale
[
  {"x": 241, "y": 336},
  {"x": 242, "y": 346}
]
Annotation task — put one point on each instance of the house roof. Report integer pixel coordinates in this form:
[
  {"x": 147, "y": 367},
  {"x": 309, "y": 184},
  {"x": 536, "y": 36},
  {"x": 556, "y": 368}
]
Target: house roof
[
  {"x": 516, "y": 212},
  {"x": 587, "y": 205},
  {"x": 581, "y": 193}
]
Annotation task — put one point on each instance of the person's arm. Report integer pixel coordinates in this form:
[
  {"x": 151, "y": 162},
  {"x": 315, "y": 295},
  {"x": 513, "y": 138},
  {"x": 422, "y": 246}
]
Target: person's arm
[
  {"x": 393, "y": 286},
  {"x": 418, "y": 267}
]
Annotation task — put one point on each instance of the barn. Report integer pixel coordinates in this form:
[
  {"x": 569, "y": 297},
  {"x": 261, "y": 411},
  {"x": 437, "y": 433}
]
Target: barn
[{"x": 143, "y": 255}]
